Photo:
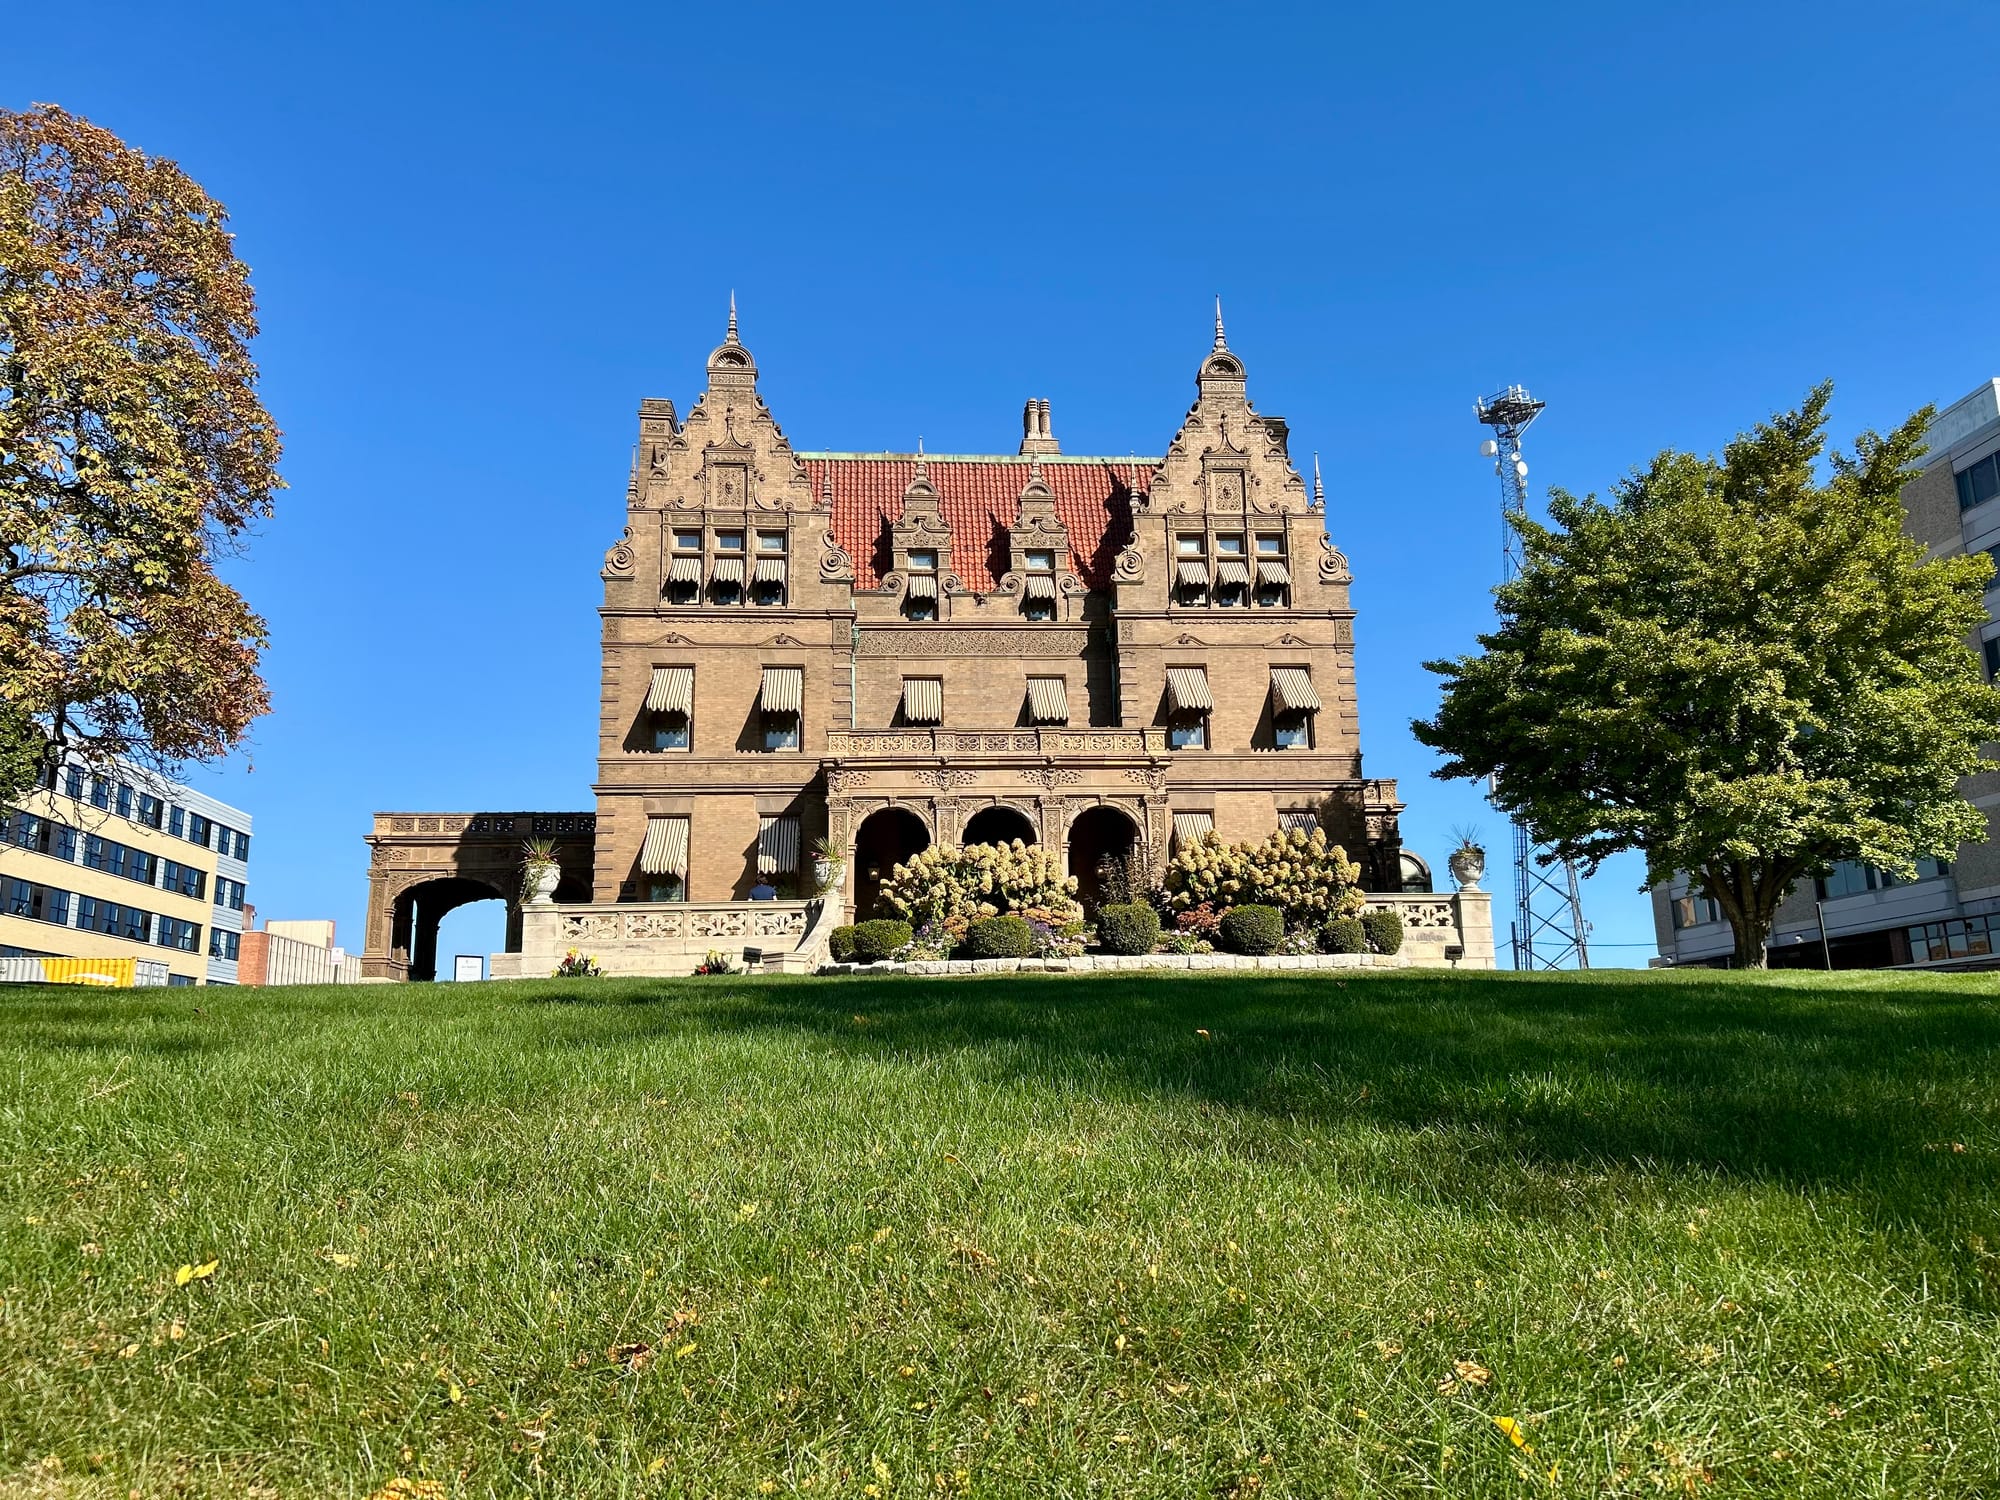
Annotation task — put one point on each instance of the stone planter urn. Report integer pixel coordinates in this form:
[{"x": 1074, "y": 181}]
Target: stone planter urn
[
  {"x": 826, "y": 875},
  {"x": 541, "y": 883},
  {"x": 1467, "y": 864}
]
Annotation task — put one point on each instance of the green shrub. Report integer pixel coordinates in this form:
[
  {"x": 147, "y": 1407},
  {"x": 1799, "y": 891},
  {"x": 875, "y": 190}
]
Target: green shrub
[
  {"x": 841, "y": 945},
  {"x": 1343, "y": 935},
  {"x": 1384, "y": 929},
  {"x": 1308, "y": 879},
  {"x": 998, "y": 937},
  {"x": 877, "y": 940},
  {"x": 1128, "y": 929},
  {"x": 1253, "y": 929}
]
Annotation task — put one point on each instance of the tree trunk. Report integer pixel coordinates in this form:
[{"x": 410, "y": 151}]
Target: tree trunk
[{"x": 1749, "y": 897}]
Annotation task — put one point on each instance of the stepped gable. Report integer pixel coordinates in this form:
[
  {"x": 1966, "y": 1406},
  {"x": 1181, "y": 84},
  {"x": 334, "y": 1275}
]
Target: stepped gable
[{"x": 980, "y": 496}]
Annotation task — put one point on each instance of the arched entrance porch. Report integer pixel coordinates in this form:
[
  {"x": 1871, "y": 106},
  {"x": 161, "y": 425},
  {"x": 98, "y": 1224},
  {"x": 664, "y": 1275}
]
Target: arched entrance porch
[
  {"x": 419, "y": 908},
  {"x": 886, "y": 838},
  {"x": 998, "y": 824},
  {"x": 1103, "y": 845}
]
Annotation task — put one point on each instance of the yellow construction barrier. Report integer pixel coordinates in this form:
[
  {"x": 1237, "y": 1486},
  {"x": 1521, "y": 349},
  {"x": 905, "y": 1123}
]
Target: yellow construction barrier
[{"x": 106, "y": 973}]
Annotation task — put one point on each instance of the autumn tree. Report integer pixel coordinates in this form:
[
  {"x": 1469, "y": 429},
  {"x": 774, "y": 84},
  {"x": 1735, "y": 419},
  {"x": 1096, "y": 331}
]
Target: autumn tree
[
  {"x": 1743, "y": 671},
  {"x": 134, "y": 455}
]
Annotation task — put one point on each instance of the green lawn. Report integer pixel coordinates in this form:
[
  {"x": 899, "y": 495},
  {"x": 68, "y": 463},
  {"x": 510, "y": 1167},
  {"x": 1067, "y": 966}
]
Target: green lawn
[{"x": 1122, "y": 1236}]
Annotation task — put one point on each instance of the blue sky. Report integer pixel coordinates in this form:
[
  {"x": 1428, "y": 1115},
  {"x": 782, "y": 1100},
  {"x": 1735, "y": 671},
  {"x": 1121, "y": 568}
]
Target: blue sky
[{"x": 481, "y": 234}]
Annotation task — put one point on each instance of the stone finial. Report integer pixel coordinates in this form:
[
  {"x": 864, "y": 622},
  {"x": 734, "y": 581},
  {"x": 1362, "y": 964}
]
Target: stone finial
[
  {"x": 923, "y": 469},
  {"x": 731, "y": 338},
  {"x": 1319, "y": 486},
  {"x": 1036, "y": 436},
  {"x": 1220, "y": 341}
]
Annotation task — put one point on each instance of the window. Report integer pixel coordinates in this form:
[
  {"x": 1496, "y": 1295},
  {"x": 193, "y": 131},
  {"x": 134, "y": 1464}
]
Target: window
[
  {"x": 683, "y": 584},
  {"x": 1229, "y": 546},
  {"x": 183, "y": 880},
  {"x": 1189, "y": 703},
  {"x": 1294, "y": 702},
  {"x": 1292, "y": 731},
  {"x": 224, "y": 945},
  {"x": 1969, "y": 937},
  {"x": 663, "y": 859},
  {"x": 771, "y": 541},
  {"x": 1979, "y": 482},
  {"x": 151, "y": 811},
  {"x": 1041, "y": 562},
  {"x": 1188, "y": 545},
  {"x": 1190, "y": 581},
  {"x": 666, "y": 888},
  {"x": 729, "y": 541},
  {"x": 1048, "y": 700},
  {"x": 177, "y": 821},
  {"x": 113, "y": 920},
  {"x": 243, "y": 847},
  {"x": 179, "y": 981},
  {"x": 1270, "y": 546},
  {"x": 73, "y": 783},
  {"x": 687, "y": 541},
  {"x": 174, "y": 933},
  {"x": 670, "y": 708},
  {"x": 41, "y": 835},
  {"x": 781, "y": 705},
  {"x": 1232, "y": 581},
  {"x": 38, "y": 903},
  {"x": 198, "y": 829},
  {"x": 920, "y": 592},
  {"x": 229, "y": 893},
  {"x": 1992, "y": 649},
  {"x": 1188, "y": 733},
  {"x": 114, "y": 858},
  {"x": 767, "y": 583},
  {"x": 100, "y": 793},
  {"x": 923, "y": 700},
  {"x": 1695, "y": 911},
  {"x": 124, "y": 800},
  {"x": 1038, "y": 589}
]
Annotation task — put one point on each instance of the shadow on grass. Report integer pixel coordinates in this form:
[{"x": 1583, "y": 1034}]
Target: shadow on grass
[{"x": 1844, "y": 1081}]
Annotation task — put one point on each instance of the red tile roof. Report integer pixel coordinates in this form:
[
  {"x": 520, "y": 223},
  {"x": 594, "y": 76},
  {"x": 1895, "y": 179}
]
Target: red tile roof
[{"x": 980, "y": 498}]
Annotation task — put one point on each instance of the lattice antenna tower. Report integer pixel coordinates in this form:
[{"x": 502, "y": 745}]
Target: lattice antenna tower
[{"x": 1549, "y": 931}]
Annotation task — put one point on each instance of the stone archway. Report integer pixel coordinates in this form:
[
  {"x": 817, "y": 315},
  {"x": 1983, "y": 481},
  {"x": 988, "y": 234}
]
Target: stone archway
[
  {"x": 1103, "y": 851},
  {"x": 419, "y": 907},
  {"x": 1001, "y": 823},
  {"x": 886, "y": 838}
]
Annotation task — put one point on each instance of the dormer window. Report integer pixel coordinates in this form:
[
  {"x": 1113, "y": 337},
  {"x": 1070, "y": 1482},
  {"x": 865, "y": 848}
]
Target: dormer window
[
  {"x": 920, "y": 596},
  {"x": 1038, "y": 589}
]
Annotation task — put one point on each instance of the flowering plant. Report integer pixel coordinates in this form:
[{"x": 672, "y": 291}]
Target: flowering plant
[
  {"x": 933, "y": 940},
  {"x": 1048, "y": 938},
  {"x": 1296, "y": 870},
  {"x": 1185, "y": 942},
  {"x": 950, "y": 882},
  {"x": 714, "y": 963},
  {"x": 577, "y": 965}
]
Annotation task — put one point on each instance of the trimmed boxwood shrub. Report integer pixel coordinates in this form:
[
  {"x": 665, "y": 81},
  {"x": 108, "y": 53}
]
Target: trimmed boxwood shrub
[
  {"x": 1384, "y": 929},
  {"x": 1253, "y": 930},
  {"x": 998, "y": 937},
  {"x": 841, "y": 945},
  {"x": 877, "y": 940},
  {"x": 1128, "y": 929},
  {"x": 1343, "y": 935}
]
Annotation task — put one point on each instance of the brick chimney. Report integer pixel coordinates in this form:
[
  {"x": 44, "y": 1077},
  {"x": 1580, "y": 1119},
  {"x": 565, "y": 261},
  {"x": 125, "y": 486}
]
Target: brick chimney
[{"x": 1035, "y": 434}]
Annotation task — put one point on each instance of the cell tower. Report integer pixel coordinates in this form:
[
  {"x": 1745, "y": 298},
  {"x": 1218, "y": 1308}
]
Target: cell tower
[{"x": 1548, "y": 929}]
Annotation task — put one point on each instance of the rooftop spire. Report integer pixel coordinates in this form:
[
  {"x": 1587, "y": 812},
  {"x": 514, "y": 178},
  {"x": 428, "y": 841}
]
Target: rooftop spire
[
  {"x": 923, "y": 469},
  {"x": 731, "y": 338},
  {"x": 1220, "y": 341},
  {"x": 1319, "y": 488}
]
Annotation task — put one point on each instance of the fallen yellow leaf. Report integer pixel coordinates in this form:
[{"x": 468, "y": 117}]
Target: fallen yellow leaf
[
  {"x": 195, "y": 1273},
  {"x": 657, "y": 1466}
]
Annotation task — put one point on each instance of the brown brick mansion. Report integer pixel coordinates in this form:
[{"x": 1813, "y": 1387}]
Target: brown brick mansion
[{"x": 891, "y": 649}]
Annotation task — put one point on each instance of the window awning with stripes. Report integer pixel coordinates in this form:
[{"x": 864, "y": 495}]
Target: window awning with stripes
[
  {"x": 666, "y": 848},
  {"x": 1040, "y": 586},
  {"x": 685, "y": 570},
  {"x": 1273, "y": 572},
  {"x": 1192, "y": 574},
  {"x": 784, "y": 690},
  {"x": 1304, "y": 821},
  {"x": 726, "y": 570},
  {"x": 770, "y": 570},
  {"x": 672, "y": 691},
  {"x": 777, "y": 845},
  {"x": 923, "y": 700},
  {"x": 1292, "y": 690},
  {"x": 1232, "y": 570},
  {"x": 1048, "y": 700},
  {"x": 1187, "y": 690},
  {"x": 1190, "y": 826},
  {"x": 922, "y": 586}
]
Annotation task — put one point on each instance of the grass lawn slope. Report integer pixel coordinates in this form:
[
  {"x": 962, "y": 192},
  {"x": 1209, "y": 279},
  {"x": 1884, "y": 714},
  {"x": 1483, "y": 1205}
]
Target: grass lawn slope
[{"x": 1125, "y": 1235}]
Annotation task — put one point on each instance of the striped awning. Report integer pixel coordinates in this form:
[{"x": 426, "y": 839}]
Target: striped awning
[
  {"x": 1048, "y": 700},
  {"x": 1189, "y": 828},
  {"x": 666, "y": 849},
  {"x": 1292, "y": 687},
  {"x": 770, "y": 570},
  {"x": 672, "y": 691},
  {"x": 1187, "y": 690},
  {"x": 923, "y": 700},
  {"x": 1192, "y": 574},
  {"x": 784, "y": 690},
  {"x": 685, "y": 570},
  {"x": 1273, "y": 572},
  {"x": 1305, "y": 821},
  {"x": 1040, "y": 586},
  {"x": 922, "y": 586},
  {"x": 726, "y": 570},
  {"x": 1232, "y": 570},
  {"x": 777, "y": 846}
]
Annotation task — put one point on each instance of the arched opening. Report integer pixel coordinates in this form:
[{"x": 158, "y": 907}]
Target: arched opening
[
  {"x": 1103, "y": 856},
  {"x": 999, "y": 824},
  {"x": 884, "y": 840},
  {"x": 419, "y": 909}
]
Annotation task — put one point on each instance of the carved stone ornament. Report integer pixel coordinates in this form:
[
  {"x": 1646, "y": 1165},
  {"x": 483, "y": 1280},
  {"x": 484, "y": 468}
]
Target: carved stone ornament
[
  {"x": 1131, "y": 565},
  {"x": 839, "y": 779},
  {"x": 1050, "y": 777},
  {"x": 618, "y": 561},
  {"x": 1332, "y": 562},
  {"x": 950, "y": 642},
  {"x": 835, "y": 566},
  {"x": 944, "y": 778},
  {"x": 1152, "y": 778}
]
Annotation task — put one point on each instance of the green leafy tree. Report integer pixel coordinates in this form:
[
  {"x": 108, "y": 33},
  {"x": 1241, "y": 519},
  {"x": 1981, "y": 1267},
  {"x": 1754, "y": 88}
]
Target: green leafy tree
[
  {"x": 1742, "y": 671},
  {"x": 134, "y": 454}
]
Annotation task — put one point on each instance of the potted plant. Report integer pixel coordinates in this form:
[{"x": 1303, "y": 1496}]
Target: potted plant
[
  {"x": 1468, "y": 859},
  {"x": 540, "y": 870},
  {"x": 828, "y": 867}
]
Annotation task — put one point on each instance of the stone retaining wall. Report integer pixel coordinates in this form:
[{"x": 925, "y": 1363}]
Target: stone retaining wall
[{"x": 1103, "y": 963}]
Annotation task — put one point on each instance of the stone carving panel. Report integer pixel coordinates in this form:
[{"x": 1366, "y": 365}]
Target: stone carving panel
[{"x": 948, "y": 642}]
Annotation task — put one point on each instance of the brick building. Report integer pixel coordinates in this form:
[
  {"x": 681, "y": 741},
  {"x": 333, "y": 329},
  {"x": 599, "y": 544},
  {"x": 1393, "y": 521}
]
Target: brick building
[{"x": 891, "y": 649}]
